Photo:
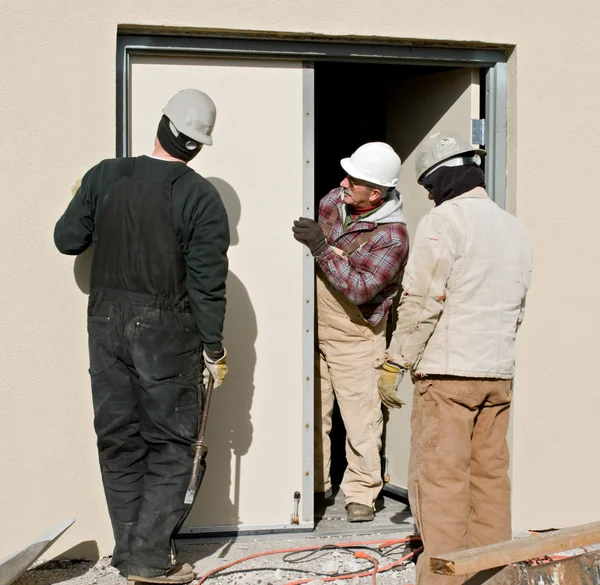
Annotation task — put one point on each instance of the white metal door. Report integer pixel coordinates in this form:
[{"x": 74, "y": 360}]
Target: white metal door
[
  {"x": 418, "y": 106},
  {"x": 255, "y": 428}
]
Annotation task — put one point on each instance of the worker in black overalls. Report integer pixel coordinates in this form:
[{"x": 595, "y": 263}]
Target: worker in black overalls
[{"x": 155, "y": 323}]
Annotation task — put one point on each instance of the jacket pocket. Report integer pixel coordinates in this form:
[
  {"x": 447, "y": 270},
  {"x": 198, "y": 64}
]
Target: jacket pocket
[{"x": 100, "y": 343}]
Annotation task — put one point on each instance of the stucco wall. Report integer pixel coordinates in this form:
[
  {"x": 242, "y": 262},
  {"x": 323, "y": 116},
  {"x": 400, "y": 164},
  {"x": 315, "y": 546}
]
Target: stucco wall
[{"x": 57, "y": 101}]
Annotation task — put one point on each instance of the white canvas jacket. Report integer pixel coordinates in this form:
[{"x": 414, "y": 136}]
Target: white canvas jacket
[{"x": 464, "y": 291}]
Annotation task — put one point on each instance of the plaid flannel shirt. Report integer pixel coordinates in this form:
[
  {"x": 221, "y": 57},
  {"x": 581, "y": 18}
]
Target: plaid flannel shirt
[{"x": 368, "y": 277}]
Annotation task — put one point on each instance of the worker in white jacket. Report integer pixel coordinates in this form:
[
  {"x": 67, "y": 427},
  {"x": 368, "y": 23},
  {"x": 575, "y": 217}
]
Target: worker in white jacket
[{"x": 463, "y": 300}]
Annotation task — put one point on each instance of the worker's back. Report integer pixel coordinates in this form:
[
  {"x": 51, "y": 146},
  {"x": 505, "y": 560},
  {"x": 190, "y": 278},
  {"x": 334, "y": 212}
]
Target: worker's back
[
  {"x": 485, "y": 293},
  {"x": 137, "y": 248}
]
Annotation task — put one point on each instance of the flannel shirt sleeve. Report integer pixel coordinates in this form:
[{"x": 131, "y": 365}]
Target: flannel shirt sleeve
[
  {"x": 424, "y": 283},
  {"x": 360, "y": 276}
]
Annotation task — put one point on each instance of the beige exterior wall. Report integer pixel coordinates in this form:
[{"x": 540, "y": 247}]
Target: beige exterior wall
[{"x": 57, "y": 101}]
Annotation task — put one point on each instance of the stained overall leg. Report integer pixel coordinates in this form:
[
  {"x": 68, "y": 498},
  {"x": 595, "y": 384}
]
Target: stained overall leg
[
  {"x": 122, "y": 451},
  {"x": 167, "y": 355}
]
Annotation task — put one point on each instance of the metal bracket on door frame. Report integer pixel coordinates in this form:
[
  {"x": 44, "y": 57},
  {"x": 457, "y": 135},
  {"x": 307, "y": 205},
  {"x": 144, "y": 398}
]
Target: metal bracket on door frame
[{"x": 478, "y": 132}]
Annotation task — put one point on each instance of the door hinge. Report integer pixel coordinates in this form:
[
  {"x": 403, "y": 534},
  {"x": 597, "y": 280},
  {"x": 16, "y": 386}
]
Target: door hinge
[{"x": 478, "y": 132}]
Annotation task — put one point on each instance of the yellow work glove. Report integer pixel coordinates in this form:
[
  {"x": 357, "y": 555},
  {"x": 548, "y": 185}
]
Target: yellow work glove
[
  {"x": 389, "y": 380},
  {"x": 75, "y": 187},
  {"x": 215, "y": 366}
]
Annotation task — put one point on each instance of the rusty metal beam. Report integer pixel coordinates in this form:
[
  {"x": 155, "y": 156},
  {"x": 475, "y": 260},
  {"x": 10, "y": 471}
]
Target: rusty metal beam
[{"x": 470, "y": 561}]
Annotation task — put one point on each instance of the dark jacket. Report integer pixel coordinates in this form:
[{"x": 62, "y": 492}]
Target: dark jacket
[{"x": 199, "y": 219}]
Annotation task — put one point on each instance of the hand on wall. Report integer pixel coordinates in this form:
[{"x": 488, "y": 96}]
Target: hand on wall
[{"x": 75, "y": 187}]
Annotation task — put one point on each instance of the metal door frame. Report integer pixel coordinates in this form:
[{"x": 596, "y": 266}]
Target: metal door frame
[{"x": 240, "y": 45}]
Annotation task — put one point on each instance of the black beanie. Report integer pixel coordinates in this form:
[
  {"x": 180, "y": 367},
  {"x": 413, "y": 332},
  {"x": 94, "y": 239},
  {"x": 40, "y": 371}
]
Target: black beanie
[{"x": 176, "y": 146}]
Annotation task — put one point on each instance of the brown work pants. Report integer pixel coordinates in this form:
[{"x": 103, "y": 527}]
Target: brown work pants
[
  {"x": 459, "y": 488},
  {"x": 347, "y": 357}
]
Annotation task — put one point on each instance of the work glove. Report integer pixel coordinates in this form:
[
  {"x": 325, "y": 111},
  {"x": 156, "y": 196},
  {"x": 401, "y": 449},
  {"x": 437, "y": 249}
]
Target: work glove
[
  {"x": 75, "y": 187},
  {"x": 309, "y": 232},
  {"x": 215, "y": 365},
  {"x": 389, "y": 380}
]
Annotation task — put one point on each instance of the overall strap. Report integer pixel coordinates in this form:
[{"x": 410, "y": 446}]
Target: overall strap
[{"x": 363, "y": 239}]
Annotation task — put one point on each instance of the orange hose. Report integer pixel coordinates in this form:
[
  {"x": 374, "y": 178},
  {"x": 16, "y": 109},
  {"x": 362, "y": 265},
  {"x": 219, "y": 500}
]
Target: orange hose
[
  {"x": 382, "y": 542},
  {"x": 360, "y": 554}
]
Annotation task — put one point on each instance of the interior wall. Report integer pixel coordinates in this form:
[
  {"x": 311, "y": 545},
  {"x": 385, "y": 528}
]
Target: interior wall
[
  {"x": 58, "y": 105},
  {"x": 434, "y": 100}
]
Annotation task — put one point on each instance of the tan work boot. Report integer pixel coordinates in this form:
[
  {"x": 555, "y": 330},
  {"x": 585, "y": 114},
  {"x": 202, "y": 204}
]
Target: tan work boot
[
  {"x": 178, "y": 574},
  {"x": 359, "y": 512}
]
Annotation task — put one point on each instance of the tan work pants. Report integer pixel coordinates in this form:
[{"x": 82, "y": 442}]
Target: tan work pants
[
  {"x": 459, "y": 488},
  {"x": 347, "y": 355}
]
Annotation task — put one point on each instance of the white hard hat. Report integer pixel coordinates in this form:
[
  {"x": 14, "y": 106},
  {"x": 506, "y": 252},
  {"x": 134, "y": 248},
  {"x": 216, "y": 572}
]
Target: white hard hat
[
  {"x": 193, "y": 114},
  {"x": 444, "y": 149},
  {"x": 374, "y": 162}
]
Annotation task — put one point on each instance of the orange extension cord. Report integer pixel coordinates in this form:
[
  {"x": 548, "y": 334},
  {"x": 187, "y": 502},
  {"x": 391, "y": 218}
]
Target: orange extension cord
[{"x": 358, "y": 554}]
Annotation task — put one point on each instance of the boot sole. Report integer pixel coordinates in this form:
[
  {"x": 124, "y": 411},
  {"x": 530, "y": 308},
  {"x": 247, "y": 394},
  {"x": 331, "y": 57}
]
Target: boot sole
[{"x": 362, "y": 519}]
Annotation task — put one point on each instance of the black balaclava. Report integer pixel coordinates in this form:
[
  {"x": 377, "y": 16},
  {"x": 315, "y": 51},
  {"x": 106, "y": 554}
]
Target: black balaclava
[
  {"x": 449, "y": 182},
  {"x": 175, "y": 145}
]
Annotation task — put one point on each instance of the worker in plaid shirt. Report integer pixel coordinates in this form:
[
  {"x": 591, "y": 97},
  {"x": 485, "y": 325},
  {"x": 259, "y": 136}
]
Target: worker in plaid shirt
[{"x": 360, "y": 245}]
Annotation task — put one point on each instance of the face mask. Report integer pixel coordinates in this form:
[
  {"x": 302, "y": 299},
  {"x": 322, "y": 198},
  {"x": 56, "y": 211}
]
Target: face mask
[{"x": 180, "y": 147}]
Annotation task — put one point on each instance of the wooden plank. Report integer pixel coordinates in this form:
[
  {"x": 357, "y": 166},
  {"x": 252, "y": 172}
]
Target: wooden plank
[
  {"x": 512, "y": 551},
  {"x": 578, "y": 570}
]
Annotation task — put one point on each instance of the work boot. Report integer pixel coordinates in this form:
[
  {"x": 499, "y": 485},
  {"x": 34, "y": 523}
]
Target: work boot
[
  {"x": 359, "y": 512},
  {"x": 178, "y": 574}
]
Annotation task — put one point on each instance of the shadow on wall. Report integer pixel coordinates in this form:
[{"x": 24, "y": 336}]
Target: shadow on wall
[{"x": 229, "y": 424}]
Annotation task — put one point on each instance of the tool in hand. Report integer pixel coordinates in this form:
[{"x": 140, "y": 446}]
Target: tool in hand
[{"x": 199, "y": 447}]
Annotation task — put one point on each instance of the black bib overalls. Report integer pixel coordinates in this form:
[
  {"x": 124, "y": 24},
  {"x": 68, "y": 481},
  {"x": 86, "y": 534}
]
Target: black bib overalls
[{"x": 145, "y": 367}]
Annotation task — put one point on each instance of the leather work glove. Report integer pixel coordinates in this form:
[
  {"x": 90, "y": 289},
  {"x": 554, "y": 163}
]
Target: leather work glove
[
  {"x": 75, "y": 187},
  {"x": 389, "y": 380},
  {"x": 309, "y": 232},
  {"x": 214, "y": 363}
]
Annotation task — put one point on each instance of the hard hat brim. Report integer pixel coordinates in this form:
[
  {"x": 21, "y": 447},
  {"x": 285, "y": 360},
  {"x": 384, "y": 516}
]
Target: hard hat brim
[
  {"x": 482, "y": 153},
  {"x": 352, "y": 171}
]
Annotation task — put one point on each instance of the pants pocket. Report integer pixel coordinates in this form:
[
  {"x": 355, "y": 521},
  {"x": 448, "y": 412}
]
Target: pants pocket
[
  {"x": 162, "y": 354},
  {"x": 187, "y": 418},
  {"x": 429, "y": 427},
  {"x": 100, "y": 343}
]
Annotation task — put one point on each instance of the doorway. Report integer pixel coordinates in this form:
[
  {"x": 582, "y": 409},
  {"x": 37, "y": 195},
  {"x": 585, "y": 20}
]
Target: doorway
[
  {"x": 399, "y": 104},
  {"x": 289, "y": 109}
]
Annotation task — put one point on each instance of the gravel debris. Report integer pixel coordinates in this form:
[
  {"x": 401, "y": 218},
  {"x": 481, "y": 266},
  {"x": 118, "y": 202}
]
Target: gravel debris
[{"x": 269, "y": 570}]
